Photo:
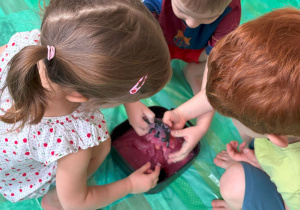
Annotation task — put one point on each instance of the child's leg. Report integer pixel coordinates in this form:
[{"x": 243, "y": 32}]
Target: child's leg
[
  {"x": 51, "y": 201},
  {"x": 232, "y": 186},
  {"x": 244, "y": 186},
  {"x": 193, "y": 73}
]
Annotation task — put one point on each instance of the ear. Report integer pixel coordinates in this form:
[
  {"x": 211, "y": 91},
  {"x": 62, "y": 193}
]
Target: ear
[
  {"x": 280, "y": 141},
  {"x": 74, "y": 96}
]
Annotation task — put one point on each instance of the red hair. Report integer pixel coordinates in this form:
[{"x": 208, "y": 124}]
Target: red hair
[{"x": 254, "y": 74}]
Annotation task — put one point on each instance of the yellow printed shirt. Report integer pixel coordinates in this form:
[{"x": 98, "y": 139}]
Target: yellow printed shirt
[{"x": 283, "y": 167}]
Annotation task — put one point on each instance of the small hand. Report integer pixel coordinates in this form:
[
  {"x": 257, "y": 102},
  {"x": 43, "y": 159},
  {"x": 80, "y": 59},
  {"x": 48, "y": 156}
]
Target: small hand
[
  {"x": 191, "y": 135},
  {"x": 136, "y": 113},
  {"x": 144, "y": 178},
  {"x": 243, "y": 154},
  {"x": 174, "y": 119}
]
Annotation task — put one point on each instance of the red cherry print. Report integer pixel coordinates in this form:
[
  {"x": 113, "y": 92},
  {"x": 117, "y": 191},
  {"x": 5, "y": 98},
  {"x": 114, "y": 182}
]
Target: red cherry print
[
  {"x": 16, "y": 142},
  {"x": 99, "y": 138},
  {"x": 2, "y": 59},
  {"x": 24, "y": 174},
  {"x": 4, "y": 151},
  {"x": 71, "y": 142},
  {"x": 133, "y": 91},
  {"x": 67, "y": 119},
  {"x": 62, "y": 123},
  {"x": 88, "y": 135},
  {"x": 28, "y": 180},
  {"x": 13, "y": 179},
  {"x": 21, "y": 190},
  {"x": 49, "y": 174},
  {"x": 99, "y": 126},
  {"x": 37, "y": 173},
  {"x": 39, "y": 133},
  {"x": 34, "y": 136},
  {"x": 92, "y": 117},
  {"x": 57, "y": 121},
  {"x": 4, "y": 194},
  {"x": 36, "y": 41},
  {"x": 30, "y": 166},
  {"x": 43, "y": 189},
  {"x": 18, "y": 169},
  {"x": 6, "y": 139},
  {"x": 106, "y": 132},
  {"x": 45, "y": 144},
  {"x": 0, "y": 69},
  {"x": 40, "y": 180},
  {"x": 0, "y": 168},
  {"x": 87, "y": 120},
  {"x": 7, "y": 174},
  {"x": 73, "y": 131},
  {"x": 14, "y": 153},
  {"x": 31, "y": 186},
  {"x": 20, "y": 182},
  {"x": 27, "y": 153},
  {"x": 13, "y": 44},
  {"x": 103, "y": 121},
  {"x": 13, "y": 168},
  {"x": 58, "y": 140},
  {"x": 52, "y": 153},
  {"x": 51, "y": 130},
  {"x": 0, "y": 188},
  {"x": 10, "y": 184},
  {"x": 25, "y": 140}
]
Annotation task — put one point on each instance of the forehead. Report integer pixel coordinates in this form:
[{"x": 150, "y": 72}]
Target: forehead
[{"x": 180, "y": 5}]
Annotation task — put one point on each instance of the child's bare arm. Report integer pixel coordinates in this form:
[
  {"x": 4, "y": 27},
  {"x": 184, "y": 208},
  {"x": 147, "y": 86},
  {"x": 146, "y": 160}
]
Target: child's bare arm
[
  {"x": 73, "y": 192},
  {"x": 72, "y": 189}
]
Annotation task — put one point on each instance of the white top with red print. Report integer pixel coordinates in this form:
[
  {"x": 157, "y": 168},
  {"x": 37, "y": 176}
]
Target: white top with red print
[{"x": 28, "y": 157}]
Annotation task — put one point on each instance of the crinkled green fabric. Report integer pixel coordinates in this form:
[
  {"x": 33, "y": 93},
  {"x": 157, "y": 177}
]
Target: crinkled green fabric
[{"x": 198, "y": 185}]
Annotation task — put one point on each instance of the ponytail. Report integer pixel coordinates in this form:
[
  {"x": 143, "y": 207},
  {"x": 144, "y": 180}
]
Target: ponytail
[{"x": 24, "y": 85}]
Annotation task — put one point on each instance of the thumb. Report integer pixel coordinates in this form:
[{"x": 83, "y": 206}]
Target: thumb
[
  {"x": 178, "y": 133},
  {"x": 149, "y": 114},
  {"x": 145, "y": 168},
  {"x": 250, "y": 154},
  {"x": 156, "y": 171}
]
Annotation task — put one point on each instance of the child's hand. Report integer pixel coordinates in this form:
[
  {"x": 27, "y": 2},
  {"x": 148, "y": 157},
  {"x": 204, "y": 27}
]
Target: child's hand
[
  {"x": 192, "y": 135},
  {"x": 136, "y": 113},
  {"x": 243, "y": 154},
  {"x": 174, "y": 119},
  {"x": 144, "y": 178}
]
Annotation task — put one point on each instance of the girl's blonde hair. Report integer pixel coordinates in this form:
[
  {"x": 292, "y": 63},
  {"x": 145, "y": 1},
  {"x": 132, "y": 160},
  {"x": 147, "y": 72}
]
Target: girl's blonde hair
[
  {"x": 206, "y": 5},
  {"x": 103, "y": 47}
]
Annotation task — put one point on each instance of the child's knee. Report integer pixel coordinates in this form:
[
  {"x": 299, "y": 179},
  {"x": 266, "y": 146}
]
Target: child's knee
[{"x": 232, "y": 183}]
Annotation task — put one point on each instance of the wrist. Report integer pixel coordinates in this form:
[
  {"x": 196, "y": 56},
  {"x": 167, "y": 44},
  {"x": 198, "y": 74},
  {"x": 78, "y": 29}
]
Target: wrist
[{"x": 129, "y": 185}]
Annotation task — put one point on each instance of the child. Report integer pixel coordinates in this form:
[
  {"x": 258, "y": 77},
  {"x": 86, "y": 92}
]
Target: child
[
  {"x": 254, "y": 77},
  {"x": 191, "y": 29},
  {"x": 88, "y": 54}
]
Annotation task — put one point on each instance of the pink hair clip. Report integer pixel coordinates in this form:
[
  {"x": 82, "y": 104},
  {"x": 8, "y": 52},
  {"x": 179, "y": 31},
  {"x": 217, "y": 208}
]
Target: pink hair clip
[
  {"x": 138, "y": 85},
  {"x": 51, "y": 52}
]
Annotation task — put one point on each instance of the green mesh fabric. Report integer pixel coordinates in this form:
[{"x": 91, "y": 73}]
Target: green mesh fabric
[{"x": 198, "y": 185}]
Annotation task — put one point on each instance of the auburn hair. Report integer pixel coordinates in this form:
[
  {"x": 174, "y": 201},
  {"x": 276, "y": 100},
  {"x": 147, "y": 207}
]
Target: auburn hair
[
  {"x": 254, "y": 74},
  {"x": 102, "y": 49}
]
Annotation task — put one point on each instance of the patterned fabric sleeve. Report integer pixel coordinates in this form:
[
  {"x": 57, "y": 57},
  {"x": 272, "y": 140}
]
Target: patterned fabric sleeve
[
  {"x": 61, "y": 136},
  {"x": 17, "y": 42}
]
